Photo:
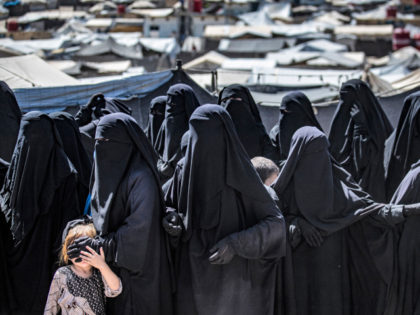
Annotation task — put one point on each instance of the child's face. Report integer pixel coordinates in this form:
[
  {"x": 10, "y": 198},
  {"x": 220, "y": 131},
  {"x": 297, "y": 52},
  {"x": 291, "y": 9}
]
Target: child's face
[
  {"x": 80, "y": 263},
  {"x": 271, "y": 179}
]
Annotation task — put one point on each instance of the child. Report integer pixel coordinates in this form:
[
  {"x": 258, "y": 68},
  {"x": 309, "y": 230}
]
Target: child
[
  {"x": 268, "y": 172},
  {"x": 78, "y": 288},
  {"x": 266, "y": 169}
]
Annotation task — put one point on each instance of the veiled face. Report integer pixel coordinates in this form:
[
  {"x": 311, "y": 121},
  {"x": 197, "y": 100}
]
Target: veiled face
[{"x": 347, "y": 95}]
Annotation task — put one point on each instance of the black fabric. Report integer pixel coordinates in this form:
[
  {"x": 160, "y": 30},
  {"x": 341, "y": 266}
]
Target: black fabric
[
  {"x": 156, "y": 117},
  {"x": 127, "y": 208},
  {"x": 314, "y": 188},
  {"x": 88, "y": 127},
  {"x": 10, "y": 116},
  {"x": 358, "y": 143},
  {"x": 238, "y": 101},
  {"x": 39, "y": 196},
  {"x": 73, "y": 147},
  {"x": 295, "y": 112},
  {"x": 402, "y": 148},
  {"x": 6, "y": 297},
  {"x": 181, "y": 102},
  {"x": 408, "y": 192},
  {"x": 224, "y": 199}
]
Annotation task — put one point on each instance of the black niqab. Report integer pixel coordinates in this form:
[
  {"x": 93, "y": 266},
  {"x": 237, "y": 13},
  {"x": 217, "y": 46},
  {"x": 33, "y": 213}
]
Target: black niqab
[
  {"x": 246, "y": 118},
  {"x": 361, "y": 152},
  {"x": 295, "y": 112},
  {"x": 402, "y": 149},
  {"x": 123, "y": 140},
  {"x": 156, "y": 117},
  {"x": 38, "y": 197},
  {"x": 127, "y": 208},
  {"x": 38, "y": 167},
  {"x": 73, "y": 147},
  {"x": 218, "y": 193},
  {"x": 10, "y": 116},
  {"x": 181, "y": 102}
]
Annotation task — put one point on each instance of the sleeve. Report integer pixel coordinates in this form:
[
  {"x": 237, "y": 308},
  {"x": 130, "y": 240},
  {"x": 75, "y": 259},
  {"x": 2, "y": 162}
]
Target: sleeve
[
  {"x": 140, "y": 228},
  {"x": 391, "y": 214},
  {"x": 264, "y": 240},
  {"x": 363, "y": 150},
  {"x": 109, "y": 292},
  {"x": 83, "y": 116},
  {"x": 52, "y": 307}
]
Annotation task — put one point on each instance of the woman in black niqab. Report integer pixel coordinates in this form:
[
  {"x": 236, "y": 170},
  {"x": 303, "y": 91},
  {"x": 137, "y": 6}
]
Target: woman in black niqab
[
  {"x": 324, "y": 206},
  {"x": 127, "y": 208},
  {"x": 156, "y": 117},
  {"x": 38, "y": 197},
  {"x": 181, "y": 102},
  {"x": 295, "y": 112},
  {"x": 357, "y": 137},
  {"x": 239, "y": 103},
  {"x": 227, "y": 215},
  {"x": 10, "y": 116},
  {"x": 73, "y": 147},
  {"x": 402, "y": 149}
]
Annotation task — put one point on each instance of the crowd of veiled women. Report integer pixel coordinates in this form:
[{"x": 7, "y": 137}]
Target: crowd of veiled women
[{"x": 312, "y": 225}]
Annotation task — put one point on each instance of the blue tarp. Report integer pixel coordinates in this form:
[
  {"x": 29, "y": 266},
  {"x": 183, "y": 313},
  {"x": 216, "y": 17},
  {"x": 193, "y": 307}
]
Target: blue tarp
[{"x": 49, "y": 99}]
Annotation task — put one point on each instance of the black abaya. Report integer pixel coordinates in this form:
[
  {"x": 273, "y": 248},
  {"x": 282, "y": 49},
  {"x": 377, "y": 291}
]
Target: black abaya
[
  {"x": 127, "y": 208},
  {"x": 73, "y": 147},
  {"x": 10, "y": 116},
  {"x": 408, "y": 275},
  {"x": 156, "y": 117},
  {"x": 358, "y": 142},
  {"x": 181, "y": 102},
  {"x": 221, "y": 199},
  {"x": 402, "y": 149},
  {"x": 315, "y": 189},
  {"x": 39, "y": 196}
]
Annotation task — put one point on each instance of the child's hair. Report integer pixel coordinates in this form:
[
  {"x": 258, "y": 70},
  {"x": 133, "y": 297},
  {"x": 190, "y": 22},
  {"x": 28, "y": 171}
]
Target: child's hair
[
  {"x": 264, "y": 167},
  {"x": 75, "y": 232}
]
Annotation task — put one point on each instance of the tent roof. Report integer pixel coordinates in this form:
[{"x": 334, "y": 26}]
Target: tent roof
[{"x": 31, "y": 71}]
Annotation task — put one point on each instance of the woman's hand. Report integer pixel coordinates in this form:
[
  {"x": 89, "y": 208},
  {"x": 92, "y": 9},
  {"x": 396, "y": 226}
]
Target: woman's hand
[{"x": 93, "y": 258}]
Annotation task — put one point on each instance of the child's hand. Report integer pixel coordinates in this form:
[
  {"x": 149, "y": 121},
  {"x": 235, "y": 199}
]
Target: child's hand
[{"x": 93, "y": 258}]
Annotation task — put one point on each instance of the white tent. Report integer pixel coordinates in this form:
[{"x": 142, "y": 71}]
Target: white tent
[{"x": 32, "y": 71}]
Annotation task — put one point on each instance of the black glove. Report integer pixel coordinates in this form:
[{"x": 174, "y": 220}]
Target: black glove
[
  {"x": 222, "y": 252},
  {"x": 357, "y": 115},
  {"x": 310, "y": 233},
  {"x": 80, "y": 244},
  {"x": 96, "y": 101},
  {"x": 172, "y": 224}
]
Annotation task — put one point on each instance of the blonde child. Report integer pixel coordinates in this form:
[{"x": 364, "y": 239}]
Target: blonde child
[{"x": 83, "y": 283}]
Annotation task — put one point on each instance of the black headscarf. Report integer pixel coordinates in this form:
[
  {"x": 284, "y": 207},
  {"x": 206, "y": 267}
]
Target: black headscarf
[
  {"x": 73, "y": 147},
  {"x": 366, "y": 167},
  {"x": 156, "y": 117},
  {"x": 181, "y": 103},
  {"x": 10, "y": 116},
  {"x": 295, "y": 112},
  {"x": 212, "y": 134},
  {"x": 325, "y": 193},
  {"x": 247, "y": 120},
  {"x": 38, "y": 168},
  {"x": 112, "y": 165},
  {"x": 402, "y": 149}
]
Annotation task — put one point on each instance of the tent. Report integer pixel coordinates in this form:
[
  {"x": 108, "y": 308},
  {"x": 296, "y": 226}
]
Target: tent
[{"x": 136, "y": 91}]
